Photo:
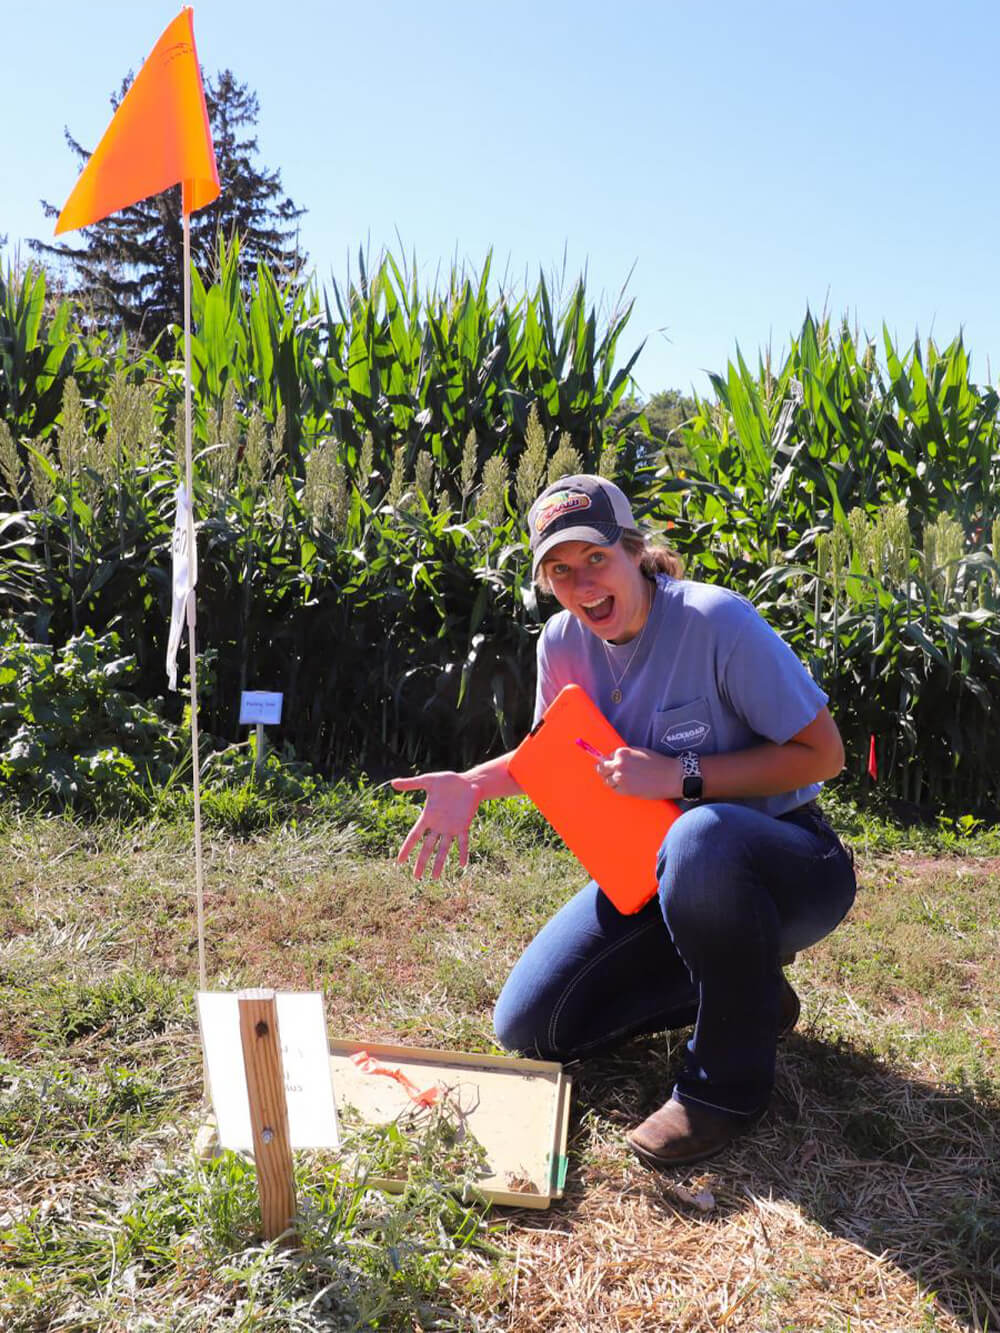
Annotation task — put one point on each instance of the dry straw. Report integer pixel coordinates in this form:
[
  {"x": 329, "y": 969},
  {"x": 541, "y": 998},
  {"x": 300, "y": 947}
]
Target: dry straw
[{"x": 799, "y": 1227}]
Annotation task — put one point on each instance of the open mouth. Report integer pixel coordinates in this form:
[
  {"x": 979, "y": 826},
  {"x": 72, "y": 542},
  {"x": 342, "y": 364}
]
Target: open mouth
[{"x": 599, "y": 611}]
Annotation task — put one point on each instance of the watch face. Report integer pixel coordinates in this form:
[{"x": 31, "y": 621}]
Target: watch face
[{"x": 691, "y": 789}]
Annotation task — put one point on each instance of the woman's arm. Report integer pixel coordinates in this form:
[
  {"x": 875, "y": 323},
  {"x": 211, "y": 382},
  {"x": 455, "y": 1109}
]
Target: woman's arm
[
  {"x": 452, "y": 801},
  {"x": 812, "y": 755}
]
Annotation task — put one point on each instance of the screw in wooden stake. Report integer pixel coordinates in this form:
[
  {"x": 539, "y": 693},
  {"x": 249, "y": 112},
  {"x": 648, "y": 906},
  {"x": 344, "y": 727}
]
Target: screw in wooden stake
[{"x": 268, "y": 1110}]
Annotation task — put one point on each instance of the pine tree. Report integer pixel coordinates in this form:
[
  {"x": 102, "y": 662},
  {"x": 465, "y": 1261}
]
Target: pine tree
[{"x": 129, "y": 271}]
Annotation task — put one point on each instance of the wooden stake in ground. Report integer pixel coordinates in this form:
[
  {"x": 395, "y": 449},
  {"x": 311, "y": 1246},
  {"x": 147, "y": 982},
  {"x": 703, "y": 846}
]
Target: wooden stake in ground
[{"x": 268, "y": 1111}]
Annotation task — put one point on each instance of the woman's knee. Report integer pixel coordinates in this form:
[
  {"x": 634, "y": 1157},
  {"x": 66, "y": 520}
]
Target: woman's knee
[
  {"x": 698, "y": 867},
  {"x": 520, "y": 1025},
  {"x": 690, "y": 835}
]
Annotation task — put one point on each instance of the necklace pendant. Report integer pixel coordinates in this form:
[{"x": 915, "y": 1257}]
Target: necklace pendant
[{"x": 616, "y": 696}]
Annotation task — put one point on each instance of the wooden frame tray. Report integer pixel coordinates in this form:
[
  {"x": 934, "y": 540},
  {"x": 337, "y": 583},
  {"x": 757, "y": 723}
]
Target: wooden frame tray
[{"x": 517, "y": 1109}]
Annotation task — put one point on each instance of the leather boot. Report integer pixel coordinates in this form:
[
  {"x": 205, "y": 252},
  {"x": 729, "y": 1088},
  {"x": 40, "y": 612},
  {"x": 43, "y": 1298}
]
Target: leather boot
[{"x": 681, "y": 1132}]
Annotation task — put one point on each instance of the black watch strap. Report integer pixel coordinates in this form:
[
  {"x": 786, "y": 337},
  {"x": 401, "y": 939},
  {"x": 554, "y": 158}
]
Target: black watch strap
[{"x": 692, "y": 786}]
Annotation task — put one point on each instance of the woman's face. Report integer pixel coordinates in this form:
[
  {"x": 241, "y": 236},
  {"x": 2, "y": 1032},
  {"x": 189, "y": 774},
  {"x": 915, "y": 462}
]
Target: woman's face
[{"x": 600, "y": 585}]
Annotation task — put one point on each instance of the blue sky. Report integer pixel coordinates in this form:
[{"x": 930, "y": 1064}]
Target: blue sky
[{"x": 739, "y": 161}]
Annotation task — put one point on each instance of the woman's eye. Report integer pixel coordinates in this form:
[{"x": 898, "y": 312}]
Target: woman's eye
[
  {"x": 597, "y": 558},
  {"x": 559, "y": 571}
]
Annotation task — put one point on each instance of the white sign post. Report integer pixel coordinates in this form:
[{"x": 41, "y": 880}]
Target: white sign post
[
  {"x": 260, "y": 708},
  {"x": 269, "y": 1071}
]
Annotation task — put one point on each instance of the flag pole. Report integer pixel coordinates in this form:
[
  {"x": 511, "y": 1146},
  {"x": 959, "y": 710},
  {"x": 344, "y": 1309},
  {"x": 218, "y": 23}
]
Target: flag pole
[
  {"x": 165, "y": 103},
  {"x": 191, "y": 616}
]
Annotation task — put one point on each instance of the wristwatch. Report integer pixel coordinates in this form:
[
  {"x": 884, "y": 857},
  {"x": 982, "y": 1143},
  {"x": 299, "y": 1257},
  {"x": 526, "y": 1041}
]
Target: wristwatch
[{"x": 691, "y": 781}]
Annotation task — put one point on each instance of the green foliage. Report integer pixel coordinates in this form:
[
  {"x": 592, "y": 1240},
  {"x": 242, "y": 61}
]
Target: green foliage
[
  {"x": 872, "y": 824},
  {"x": 64, "y": 1111},
  {"x": 363, "y": 1259},
  {"x": 134, "y": 1003},
  {"x": 854, "y": 506},
  {"x": 70, "y": 733},
  {"x": 242, "y": 796},
  {"x": 656, "y": 426},
  {"x": 360, "y": 545},
  {"x": 363, "y": 465},
  {"x": 37, "y": 351},
  {"x": 666, "y": 412},
  {"x": 411, "y": 371},
  {"x": 73, "y": 738}
]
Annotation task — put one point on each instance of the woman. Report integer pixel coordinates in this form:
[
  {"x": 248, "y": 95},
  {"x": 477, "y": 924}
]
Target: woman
[{"x": 718, "y": 713}]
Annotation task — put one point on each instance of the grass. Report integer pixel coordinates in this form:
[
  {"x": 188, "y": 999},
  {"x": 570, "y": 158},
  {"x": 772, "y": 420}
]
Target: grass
[{"x": 868, "y": 1201}]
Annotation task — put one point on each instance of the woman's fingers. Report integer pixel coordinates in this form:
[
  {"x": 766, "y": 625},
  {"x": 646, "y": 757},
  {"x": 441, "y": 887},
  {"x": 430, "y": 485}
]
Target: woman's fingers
[
  {"x": 426, "y": 850},
  {"x": 443, "y": 848},
  {"x": 451, "y": 802},
  {"x": 411, "y": 840},
  {"x": 434, "y": 845},
  {"x": 434, "y": 853}
]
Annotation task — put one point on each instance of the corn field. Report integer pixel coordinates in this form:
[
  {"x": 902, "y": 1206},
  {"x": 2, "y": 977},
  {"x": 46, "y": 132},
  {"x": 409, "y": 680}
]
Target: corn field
[
  {"x": 359, "y": 465},
  {"x": 364, "y": 457},
  {"x": 852, "y": 494}
]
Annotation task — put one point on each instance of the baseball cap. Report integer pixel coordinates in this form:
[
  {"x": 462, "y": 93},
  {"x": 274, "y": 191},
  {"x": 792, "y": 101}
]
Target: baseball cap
[{"x": 577, "y": 509}]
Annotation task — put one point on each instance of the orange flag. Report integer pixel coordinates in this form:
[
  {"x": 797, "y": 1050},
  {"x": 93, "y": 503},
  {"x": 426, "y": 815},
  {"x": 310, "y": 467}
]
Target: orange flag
[{"x": 158, "y": 137}]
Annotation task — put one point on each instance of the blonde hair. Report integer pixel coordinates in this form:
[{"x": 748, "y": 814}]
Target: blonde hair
[{"x": 655, "y": 558}]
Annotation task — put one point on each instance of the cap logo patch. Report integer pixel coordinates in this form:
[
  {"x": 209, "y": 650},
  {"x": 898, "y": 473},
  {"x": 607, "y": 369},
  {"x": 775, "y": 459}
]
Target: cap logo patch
[{"x": 554, "y": 506}]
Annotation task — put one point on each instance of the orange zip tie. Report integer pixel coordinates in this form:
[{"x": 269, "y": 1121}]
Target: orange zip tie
[{"x": 368, "y": 1065}]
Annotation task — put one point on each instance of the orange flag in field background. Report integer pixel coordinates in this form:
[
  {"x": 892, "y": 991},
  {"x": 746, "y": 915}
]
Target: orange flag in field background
[{"x": 158, "y": 137}]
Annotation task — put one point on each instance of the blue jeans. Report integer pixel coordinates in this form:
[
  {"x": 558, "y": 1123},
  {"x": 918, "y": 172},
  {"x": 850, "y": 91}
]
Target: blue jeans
[{"x": 738, "y": 891}]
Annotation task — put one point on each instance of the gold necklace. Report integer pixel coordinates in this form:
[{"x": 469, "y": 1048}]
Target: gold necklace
[{"x": 616, "y": 693}]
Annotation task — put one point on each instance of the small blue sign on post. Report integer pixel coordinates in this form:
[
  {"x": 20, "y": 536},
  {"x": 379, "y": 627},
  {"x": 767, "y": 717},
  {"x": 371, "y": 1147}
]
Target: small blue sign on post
[{"x": 260, "y": 708}]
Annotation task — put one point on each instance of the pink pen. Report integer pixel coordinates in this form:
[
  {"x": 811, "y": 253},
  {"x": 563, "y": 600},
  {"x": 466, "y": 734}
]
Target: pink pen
[{"x": 586, "y": 745}]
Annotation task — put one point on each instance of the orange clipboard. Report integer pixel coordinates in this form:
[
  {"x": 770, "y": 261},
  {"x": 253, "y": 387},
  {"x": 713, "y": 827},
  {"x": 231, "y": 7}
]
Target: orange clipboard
[{"x": 616, "y": 838}]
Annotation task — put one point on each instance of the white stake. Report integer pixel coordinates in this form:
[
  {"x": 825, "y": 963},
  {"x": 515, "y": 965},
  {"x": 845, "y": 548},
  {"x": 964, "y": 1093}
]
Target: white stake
[{"x": 191, "y": 612}]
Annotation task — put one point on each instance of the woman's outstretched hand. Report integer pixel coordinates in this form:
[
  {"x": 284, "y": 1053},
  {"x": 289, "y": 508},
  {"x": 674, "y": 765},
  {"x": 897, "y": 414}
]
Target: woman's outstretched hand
[{"x": 451, "y": 802}]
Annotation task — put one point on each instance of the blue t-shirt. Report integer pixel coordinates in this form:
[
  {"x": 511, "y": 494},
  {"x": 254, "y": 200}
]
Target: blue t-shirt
[{"x": 708, "y": 675}]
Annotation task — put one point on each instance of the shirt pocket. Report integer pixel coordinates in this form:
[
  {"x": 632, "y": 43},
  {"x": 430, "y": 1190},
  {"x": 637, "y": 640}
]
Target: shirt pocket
[{"x": 688, "y": 727}]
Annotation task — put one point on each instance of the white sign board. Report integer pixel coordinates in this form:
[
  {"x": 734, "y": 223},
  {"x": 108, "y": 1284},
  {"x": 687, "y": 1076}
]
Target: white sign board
[
  {"x": 305, "y": 1057},
  {"x": 260, "y": 707}
]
